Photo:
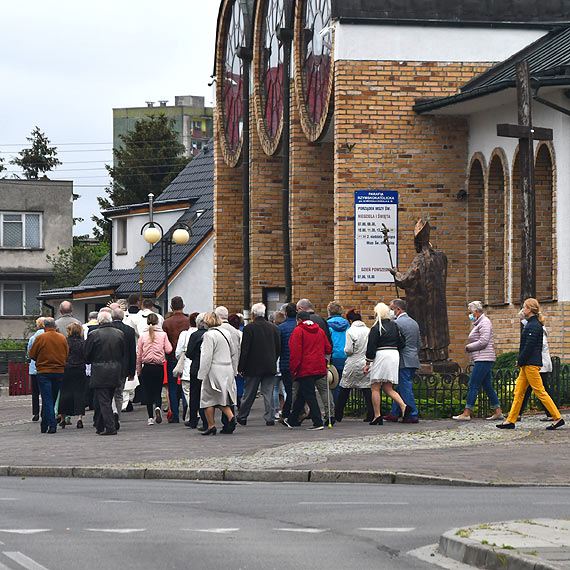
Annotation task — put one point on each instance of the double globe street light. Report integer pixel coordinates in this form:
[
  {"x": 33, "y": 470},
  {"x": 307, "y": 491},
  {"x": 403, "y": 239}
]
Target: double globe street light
[{"x": 180, "y": 234}]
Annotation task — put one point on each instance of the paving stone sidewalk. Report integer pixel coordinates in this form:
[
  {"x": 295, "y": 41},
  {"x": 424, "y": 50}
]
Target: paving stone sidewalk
[
  {"x": 540, "y": 544},
  {"x": 474, "y": 451}
]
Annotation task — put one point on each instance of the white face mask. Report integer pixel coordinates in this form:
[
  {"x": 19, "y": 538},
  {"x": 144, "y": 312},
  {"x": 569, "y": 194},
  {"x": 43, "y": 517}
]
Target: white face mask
[
  {"x": 392, "y": 314},
  {"x": 521, "y": 314}
]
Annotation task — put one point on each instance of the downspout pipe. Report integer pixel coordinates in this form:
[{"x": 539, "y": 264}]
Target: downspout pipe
[
  {"x": 536, "y": 88},
  {"x": 285, "y": 35},
  {"x": 246, "y": 55}
]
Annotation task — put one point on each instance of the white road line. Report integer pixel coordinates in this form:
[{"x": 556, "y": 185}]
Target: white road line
[
  {"x": 8, "y": 499},
  {"x": 24, "y": 561},
  {"x": 176, "y": 502},
  {"x": 342, "y": 503},
  {"x": 212, "y": 530},
  {"x": 116, "y": 530},
  {"x": 3, "y": 567},
  {"x": 388, "y": 529},
  {"x": 24, "y": 530},
  {"x": 306, "y": 530}
]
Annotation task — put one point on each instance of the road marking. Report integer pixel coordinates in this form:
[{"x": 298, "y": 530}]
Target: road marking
[
  {"x": 176, "y": 502},
  {"x": 349, "y": 503},
  {"x": 116, "y": 530},
  {"x": 8, "y": 499},
  {"x": 24, "y": 530},
  {"x": 387, "y": 529},
  {"x": 24, "y": 561},
  {"x": 306, "y": 530},
  {"x": 2, "y": 566},
  {"x": 212, "y": 530}
]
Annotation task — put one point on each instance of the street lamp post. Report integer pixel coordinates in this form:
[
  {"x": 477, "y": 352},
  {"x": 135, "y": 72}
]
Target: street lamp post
[{"x": 179, "y": 234}]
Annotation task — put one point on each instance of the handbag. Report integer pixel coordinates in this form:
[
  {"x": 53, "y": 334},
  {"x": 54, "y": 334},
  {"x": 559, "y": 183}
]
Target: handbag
[{"x": 179, "y": 368}]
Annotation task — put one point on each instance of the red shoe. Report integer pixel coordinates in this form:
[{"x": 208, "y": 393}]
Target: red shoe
[
  {"x": 411, "y": 421},
  {"x": 390, "y": 418}
]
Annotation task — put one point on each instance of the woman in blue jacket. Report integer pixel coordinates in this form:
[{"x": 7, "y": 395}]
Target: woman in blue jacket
[
  {"x": 530, "y": 362},
  {"x": 338, "y": 327}
]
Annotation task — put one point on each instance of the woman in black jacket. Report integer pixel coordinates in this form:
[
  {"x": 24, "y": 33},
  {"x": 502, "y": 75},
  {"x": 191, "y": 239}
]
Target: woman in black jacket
[
  {"x": 74, "y": 384},
  {"x": 530, "y": 362},
  {"x": 383, "y": 361},
  {"x": 193, "y": 354}
]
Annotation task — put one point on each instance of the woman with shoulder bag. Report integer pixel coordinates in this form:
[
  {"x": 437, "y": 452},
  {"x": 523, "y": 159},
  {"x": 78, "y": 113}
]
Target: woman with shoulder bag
[
  {"x": 182, "y": 368},
  {"x": 383, "y": 361}
]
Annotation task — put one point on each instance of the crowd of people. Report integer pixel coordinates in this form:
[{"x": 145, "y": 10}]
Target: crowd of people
[{"x": 128, "y": 353}]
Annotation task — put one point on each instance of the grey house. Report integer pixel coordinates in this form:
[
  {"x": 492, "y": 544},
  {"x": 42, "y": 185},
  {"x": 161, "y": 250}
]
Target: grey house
[{"x": 36, "y": 219}]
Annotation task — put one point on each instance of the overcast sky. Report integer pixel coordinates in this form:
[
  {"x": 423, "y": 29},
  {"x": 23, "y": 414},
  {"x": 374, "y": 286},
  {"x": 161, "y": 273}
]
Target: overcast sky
[{"x": 66, "y": 64}]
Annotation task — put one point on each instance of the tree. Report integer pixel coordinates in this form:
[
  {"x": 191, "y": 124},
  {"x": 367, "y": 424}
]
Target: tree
[
  {"x": 71, "y": 266},
  {"x": 39, "y": 158},
  {"x": 148, "y": 160},
  {"x": 2, "y": 167}
]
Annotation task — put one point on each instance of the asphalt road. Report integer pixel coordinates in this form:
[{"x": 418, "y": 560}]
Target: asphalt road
[{"x": 94, "y": 524}]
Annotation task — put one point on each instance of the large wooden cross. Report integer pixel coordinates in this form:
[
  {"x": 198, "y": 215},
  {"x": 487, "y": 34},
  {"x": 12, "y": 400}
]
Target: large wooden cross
[
  {"x": 141, "y": 263},
  {"x": 527, "y": 134}
]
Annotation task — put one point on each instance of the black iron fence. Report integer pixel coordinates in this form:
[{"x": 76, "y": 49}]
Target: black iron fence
[{"x": 444, "y": 395}]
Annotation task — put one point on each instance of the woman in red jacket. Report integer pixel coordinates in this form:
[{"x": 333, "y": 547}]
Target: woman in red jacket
[{"x": 309, "y": 346}]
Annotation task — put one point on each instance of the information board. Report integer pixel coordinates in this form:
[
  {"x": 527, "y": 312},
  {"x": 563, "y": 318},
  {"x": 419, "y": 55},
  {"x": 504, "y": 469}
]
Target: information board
[{"x": 372, "y": 208}]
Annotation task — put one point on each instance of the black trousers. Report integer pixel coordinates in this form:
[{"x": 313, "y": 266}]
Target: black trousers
[
  {"x": 35, "y": 396},
  {"x": 342, "y": 399},
  {"x": 306, "y": 394},
  {"x": 152, "y": 378},
  {"x": 194, "y": 404},
  {"x": 105, "y": 418},
  {"x": 546, "y": 376}
]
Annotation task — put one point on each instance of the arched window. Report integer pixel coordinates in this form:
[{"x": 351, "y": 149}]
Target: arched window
[
  {"x": 475, "y": 232},
  {"x": 543, "y": 176},
  {"x": 495, "y": 226}
]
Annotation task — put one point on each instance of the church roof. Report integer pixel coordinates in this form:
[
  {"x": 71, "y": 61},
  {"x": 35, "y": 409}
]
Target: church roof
[
  {"x": 549, "y": 64},
  {"x": 483, "y": 12},
  {"x": 194, "y": 184}
]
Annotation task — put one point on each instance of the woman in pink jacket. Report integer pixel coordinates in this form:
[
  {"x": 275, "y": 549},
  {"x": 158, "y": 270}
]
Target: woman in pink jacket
[
  {"x": 481, "y": 349},
  {"x": 152, "y": 349}
]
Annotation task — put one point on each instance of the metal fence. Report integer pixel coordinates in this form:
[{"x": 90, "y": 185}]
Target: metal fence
[{"x": 444, "y": 395}]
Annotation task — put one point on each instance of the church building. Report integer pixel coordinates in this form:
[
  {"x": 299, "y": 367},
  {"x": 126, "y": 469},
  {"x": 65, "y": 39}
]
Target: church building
[{"x": 340, "y": 123}]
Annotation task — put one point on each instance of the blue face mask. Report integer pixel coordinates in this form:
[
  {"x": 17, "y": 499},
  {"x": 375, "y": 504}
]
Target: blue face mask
[{"x": 472, "y": 317}]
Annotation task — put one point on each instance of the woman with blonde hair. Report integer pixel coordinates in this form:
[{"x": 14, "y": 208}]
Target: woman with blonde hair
[
  {"x": 152, "y": 348},
  {"x": 217, "y": 374},
  {"x": 530, "y": 362},
  {"x": 383, "y": 361}
]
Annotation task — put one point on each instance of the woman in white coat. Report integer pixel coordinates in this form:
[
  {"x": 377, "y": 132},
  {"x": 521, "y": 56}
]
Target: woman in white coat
[
  {"x": 353, "y": 375},
  {"x": 185, "y": 376},
  {"x": 217, "y": 374}
]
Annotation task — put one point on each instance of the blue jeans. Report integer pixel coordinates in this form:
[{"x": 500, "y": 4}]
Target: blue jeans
[
  {"x": 481, "y": 377},
  {"x": 405, "y": 377},
  {"x": 338, "y": 363},
  {"x": 49, "y": 384}
]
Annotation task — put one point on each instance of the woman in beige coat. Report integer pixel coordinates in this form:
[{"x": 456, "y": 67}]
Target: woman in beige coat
[{"x": 217, "y": 374}]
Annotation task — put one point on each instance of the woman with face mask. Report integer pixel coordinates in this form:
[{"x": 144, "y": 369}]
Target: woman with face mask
[
  {"x": 481, "y": 349},
  {"x": 530, "y": 362}
]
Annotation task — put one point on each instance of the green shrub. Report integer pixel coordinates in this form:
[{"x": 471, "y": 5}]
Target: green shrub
[
  {"x": 9, "y": 343},
  {"x": 507, "y": 360}
]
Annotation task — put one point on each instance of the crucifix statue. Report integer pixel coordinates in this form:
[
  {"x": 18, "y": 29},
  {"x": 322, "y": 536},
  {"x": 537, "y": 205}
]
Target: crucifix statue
[
  {"x": 141, "y": 263},
  {"x": 527, "y": 134}
]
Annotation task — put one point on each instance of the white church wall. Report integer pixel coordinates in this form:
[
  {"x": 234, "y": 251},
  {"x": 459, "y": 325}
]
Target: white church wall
[
  {"x": 195, "y": 283},
  {"x": 483, "y": 139},
  {"x": 429, "y": 43},
  {"x": 136, "y": 245}
]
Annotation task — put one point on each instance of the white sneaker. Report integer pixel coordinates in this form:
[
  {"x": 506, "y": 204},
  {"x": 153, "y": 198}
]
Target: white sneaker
[
  {"x": 150, "y": 422},
  {"x": 461, "y": 418},
  {"x": 157, "y": 415},
  {"x": 496, "y": 417}
]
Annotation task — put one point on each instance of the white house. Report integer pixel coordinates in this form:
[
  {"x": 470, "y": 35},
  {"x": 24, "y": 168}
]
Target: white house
[{"x": 191, "y": 266}]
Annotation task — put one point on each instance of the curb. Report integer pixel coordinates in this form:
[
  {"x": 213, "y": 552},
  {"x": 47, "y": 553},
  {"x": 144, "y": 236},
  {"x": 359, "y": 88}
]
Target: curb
[
  {"x": 493, "y": 558},
  {"x": 249, "y": 475}
]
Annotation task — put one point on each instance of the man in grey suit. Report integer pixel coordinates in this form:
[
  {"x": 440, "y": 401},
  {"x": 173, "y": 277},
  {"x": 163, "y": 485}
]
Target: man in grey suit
[{"x": 409, "y": 361}]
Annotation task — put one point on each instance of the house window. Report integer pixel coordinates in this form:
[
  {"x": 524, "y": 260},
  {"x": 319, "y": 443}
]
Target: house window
[
  {"x": 122, "y": 236},
  {"x": 20, "y": 230},
  {"x": 19, "y": 299},
  {"x": 197, "y": 125}
]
